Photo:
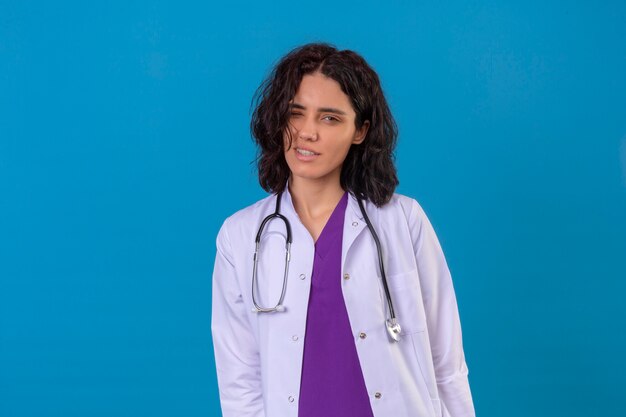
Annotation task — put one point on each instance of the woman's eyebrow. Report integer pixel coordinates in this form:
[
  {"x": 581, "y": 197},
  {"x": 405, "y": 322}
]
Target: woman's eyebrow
[{"x": 319, "y": 109}]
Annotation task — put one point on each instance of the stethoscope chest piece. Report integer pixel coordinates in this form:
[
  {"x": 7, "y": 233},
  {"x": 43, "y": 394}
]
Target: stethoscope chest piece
[{"x": 394, "y": 329}]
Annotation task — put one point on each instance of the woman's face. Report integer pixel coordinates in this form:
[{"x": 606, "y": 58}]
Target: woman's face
[{"x": 322, "y": 127}]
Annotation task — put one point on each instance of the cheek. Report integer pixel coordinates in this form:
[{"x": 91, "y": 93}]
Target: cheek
[
  {"x": 337, "y": 155},
  {"x": 286, "y": 140},
  {"x": 342, "y": 146}
]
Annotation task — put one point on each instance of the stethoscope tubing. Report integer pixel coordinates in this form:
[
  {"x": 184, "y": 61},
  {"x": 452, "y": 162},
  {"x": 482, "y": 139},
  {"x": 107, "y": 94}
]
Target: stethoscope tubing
[
  {"x": 392, "y": 313},
  {"x": 257, "y": 242}
]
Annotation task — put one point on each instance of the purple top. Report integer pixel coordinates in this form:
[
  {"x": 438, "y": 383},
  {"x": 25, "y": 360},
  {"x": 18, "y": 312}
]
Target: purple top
[{"x": 332, "y": 382}]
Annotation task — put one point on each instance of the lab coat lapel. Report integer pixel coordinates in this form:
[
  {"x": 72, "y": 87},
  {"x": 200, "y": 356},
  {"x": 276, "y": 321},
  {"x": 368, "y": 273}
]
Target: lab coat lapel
[{"x": 353, "y": 225}]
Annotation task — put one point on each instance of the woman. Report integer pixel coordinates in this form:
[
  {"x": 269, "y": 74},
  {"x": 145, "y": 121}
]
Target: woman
[{"x": 318, "y": 327}]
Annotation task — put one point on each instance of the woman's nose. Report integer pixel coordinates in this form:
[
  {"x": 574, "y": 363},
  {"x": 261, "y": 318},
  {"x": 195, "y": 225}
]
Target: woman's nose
[
  {"x": 307, "y": 135},
  {"x": 308, "y": 129}
]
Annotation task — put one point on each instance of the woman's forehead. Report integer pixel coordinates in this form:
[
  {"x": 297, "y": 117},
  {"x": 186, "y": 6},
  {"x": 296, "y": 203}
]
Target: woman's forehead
[{"x": 321, "y": 93}]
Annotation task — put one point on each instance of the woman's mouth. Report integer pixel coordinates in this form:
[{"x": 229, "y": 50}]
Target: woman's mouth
[
  {"x": 305, "y": 152},
  {"x": 305, "y": 155}
]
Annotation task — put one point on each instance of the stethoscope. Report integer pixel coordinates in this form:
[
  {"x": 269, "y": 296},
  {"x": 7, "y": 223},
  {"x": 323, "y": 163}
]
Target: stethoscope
[{"x": 393, "y": 327}]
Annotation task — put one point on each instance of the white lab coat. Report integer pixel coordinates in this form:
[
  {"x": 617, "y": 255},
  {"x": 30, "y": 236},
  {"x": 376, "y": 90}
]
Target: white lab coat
[{"x": 259, "y": 355}]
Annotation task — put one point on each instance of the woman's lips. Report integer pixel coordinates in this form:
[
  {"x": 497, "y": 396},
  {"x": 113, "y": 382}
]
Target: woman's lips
[{"x": 303, "y": 157}]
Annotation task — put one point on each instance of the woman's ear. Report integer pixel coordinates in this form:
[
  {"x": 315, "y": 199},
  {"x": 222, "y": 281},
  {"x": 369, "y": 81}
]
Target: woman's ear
[{"x": 360, "y": 134}]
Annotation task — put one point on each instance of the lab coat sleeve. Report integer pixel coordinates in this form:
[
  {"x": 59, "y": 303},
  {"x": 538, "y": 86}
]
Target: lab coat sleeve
[
  {"x": 236, "y": 353},
  {"x": 442, "y": 318}
]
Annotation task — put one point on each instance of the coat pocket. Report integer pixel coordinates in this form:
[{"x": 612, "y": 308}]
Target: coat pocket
[
  {"x": 407, "y": 301},
  {"x": 424, "y": 359}
]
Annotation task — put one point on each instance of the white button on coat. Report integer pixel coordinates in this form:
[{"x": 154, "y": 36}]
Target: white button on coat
[{"x": 425, "y": 374}]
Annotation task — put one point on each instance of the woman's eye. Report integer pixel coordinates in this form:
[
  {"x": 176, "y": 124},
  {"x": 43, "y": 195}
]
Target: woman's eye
[{"x": 329, "y": 118}]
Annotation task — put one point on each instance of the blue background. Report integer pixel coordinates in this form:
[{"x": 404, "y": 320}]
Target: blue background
[{"x": 124, "y": 143}]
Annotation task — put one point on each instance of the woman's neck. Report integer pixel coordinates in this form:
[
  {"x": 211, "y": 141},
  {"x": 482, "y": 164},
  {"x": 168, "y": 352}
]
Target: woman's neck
[{"x": 314, "y": 199}]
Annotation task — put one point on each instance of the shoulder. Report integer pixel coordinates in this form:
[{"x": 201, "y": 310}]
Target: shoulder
[
  {"x": 244, "y": 219},
  {"x": 250, "y": 211},
  {"x": 419, "y": 225},
  {"x": 408, "y": 207}
]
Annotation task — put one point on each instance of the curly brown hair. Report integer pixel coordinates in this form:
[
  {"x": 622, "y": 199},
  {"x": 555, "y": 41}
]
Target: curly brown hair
[{"x": 368, "y": 170}]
